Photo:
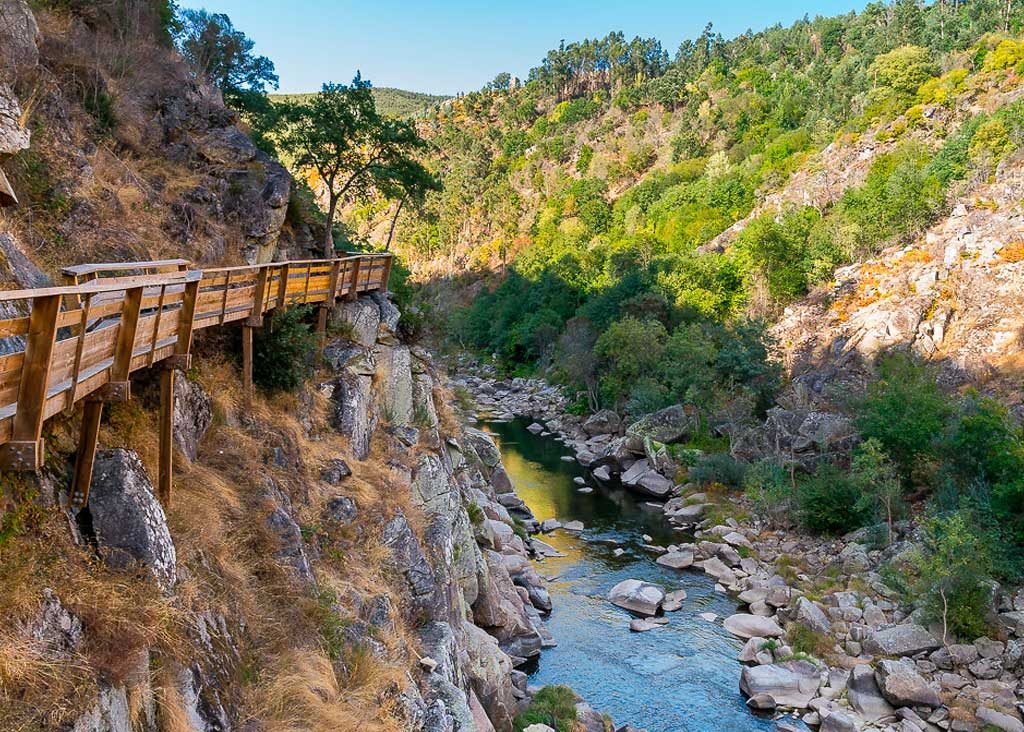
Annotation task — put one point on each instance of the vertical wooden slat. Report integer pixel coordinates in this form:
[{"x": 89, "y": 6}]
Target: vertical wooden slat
[
  {"x": 83, "y": 323},
  {"x": 156, "y": 324},
  {"x": 309, "y": 276},
  {"x": 224, "y": 300},
  {"x": 166, "y": 457},
  {"x": 92, "y": 412},
  {"x": 259, "y": 296}
]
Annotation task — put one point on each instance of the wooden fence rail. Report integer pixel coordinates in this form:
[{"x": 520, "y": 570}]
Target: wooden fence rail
[{"x": 82, "y": 341}]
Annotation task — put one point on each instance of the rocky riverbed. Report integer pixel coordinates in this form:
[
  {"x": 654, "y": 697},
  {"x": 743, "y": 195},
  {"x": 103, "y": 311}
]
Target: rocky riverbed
[{"x": 825, "y": 637}]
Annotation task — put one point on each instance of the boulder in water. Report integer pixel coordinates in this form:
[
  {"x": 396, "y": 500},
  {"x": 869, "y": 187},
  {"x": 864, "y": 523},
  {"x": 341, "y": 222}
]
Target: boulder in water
[{"x": 637, "y": 596}]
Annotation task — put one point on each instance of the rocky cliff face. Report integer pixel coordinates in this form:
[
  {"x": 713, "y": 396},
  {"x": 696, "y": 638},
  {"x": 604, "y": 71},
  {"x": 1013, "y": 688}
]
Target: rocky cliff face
[
  {"x": 116, "y": 153},
  {"x": 386, "y": 540},
  {"x": 954, "y": 296}
]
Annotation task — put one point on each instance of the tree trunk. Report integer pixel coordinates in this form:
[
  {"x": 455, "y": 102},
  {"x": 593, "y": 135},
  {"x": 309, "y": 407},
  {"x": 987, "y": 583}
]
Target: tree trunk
[
  {"x": 329, "y": 234},
  {"x": 394, "y": 222}
]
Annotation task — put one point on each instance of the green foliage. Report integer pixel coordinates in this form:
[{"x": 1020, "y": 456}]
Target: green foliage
[
  {"x": 283, "y": 353},
  {"x": 881, "y": 490},
  {"x": 718, "y": 467},
  {"x": 828, "y": 501},
  {"x": 949, "y": 573},
  {"x": 554, "y": 706},
  {"x": 770, "y": 487},
  {"x": 903, "y": 70},
  {"x": 356, "y": 152},
  {"x": 904, "y": 410}
]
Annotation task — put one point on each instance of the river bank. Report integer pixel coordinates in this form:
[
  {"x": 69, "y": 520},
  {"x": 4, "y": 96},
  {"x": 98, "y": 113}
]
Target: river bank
[{"x": 824, "y": 635}]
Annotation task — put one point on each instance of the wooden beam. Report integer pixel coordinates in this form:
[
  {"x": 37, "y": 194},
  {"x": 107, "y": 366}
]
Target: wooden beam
[
  {"x": 119, "y": 386},
  {"x": 92, "y": 413},
  {"x": 282, "y": 286},
  {"x": 25, "y": 450},
  {"x": 186, "y": 319},
  {"x": 386, "y": 274},
  {"x": 353, "y": 289},
  {"x": 247, "y": 362},
  {"x": 166, "y": 458},
  {"x": 259, "y": 298}
]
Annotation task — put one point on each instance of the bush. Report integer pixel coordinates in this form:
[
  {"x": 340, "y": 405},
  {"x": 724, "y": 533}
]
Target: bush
[
  {"x": 718, "y": 467},
  {"x": 554, "y": 706},
  {"x": 950, "y": 578},
  {"x": 904, "y": 410},
  {"x": 827, "y": 502},
  {"x": 769, "y": 486},
  {"x": 283, "y": 353}
]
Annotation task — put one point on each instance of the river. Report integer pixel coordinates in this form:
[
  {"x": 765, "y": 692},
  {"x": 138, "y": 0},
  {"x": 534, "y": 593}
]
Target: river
[{"x": 682, "y": 677}]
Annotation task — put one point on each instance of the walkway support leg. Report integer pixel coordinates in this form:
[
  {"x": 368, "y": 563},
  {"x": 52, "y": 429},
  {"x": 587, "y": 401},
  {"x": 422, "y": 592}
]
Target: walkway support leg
[
  {"x": 92, "y": 413},
  {"x": 166, "y": 480},
  {"x": 247, "y": 386}
]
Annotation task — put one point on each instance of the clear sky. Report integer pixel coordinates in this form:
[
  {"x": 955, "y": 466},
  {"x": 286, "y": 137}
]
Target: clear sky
[{"x": 448, "y": 46}]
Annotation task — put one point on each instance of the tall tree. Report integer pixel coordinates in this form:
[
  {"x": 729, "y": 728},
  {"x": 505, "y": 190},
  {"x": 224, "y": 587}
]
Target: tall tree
[{"x": 355, "y": 151}]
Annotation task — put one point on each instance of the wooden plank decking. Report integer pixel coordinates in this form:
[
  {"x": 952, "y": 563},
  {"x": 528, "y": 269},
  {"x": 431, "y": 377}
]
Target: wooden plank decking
[{"x": 83, "y": 340}]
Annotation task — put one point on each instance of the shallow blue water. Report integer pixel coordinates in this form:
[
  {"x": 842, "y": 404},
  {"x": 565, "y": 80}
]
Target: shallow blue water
[{"x": 682, "y": 677}]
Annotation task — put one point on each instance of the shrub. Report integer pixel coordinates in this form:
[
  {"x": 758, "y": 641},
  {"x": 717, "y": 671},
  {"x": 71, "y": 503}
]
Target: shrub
[
  {"x": 880, "y": 486},
  {"x": 282, "y": 353},
  {"x": 770, "y": 487},
  {"x": 554, "y": 706},
  {"x": 718, "y": 467},
  {"x": 950, "y": 574},
  {"x": 904, "y": 410},
  {"x": 827, "y": 501}
]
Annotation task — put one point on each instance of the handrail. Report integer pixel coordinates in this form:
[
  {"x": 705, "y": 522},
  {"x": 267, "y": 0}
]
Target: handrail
[{"x": 81, "y": 341}]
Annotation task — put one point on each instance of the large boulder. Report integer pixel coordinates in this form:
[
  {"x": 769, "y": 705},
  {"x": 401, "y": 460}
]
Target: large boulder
[
  {"x": 353, "y": 413},
  {"x": 13, "y": 137},
  {"x": 489, "y": 669},
  {"x": 603, "y": 422},
  {"x": 226, "y": 146},
  {"x": 669, "y": 425},
  {"x": 425, "y": 595},
  {"x": 291, "y": 548},
  {"x": 637, "y": 596},
  {"x": 790, "y": 684},
  {"x": 20, "y": 34},
  {"x": 395, "y": 369},
  {"x": 193, "y": 414},
  {"x": 864, "y": 695},
  {"x": 903, "y": 686},
  {"x": 812, "y": 616},
  {"x": 359, "y": 319},
  {"x": 129, "y": 522},
  {"x": 900, "y": 640},
  {"x": 752, "y": 626}
]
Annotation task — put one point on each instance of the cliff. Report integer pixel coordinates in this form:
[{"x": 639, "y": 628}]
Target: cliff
[{"x": 344, "y": 558}]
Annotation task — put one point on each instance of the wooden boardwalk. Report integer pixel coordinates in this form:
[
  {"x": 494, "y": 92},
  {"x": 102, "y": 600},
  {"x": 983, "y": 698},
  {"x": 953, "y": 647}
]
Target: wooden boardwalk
[{"x": 82, "y": 341}]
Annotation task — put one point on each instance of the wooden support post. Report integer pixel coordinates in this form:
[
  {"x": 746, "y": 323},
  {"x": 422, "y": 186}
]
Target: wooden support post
[
  {"x": 92, "y": 412},
  {"x": 247, "y": 363},
  {"x": 259, "y": 298},
  {"x": 353, "y": 288},
  {"x": 25, "y": 450},
  {"x": 385, "y": 276},
  {"x": 282, "y": 287},
  {"x": 186, "y": 319},
  {"x": 166, "y": 458}
]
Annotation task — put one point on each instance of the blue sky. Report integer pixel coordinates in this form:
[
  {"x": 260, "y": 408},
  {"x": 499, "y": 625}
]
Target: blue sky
[{"x": 451, "y": 46}]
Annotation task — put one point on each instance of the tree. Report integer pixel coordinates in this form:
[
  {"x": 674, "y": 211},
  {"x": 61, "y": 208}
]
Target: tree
[
  {"x": 879, "y": 483},
  {"x": 355, "y": 151},
  {"x": 220, "y": 53},
  {"x": 904, "y": 410},
  {"x": 217, "y": 51}
]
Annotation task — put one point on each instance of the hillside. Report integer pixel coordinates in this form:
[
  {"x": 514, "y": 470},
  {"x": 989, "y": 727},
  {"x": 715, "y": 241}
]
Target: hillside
[{"x": 390, "y": 101}]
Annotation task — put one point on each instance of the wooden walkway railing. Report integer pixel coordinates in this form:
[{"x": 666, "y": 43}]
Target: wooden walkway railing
[{"x": 82, "y": 341}]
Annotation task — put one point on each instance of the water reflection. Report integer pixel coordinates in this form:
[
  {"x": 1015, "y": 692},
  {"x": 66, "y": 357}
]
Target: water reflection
[{"x": 682, "y": 677}]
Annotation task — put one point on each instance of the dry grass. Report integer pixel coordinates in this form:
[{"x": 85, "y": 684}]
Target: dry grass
[{"x": 303, "y": 693}]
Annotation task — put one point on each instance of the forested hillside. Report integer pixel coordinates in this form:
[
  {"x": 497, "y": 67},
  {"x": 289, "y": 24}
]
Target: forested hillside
[
  {"x": 390, "y": 101},
  {"x": 600, "y": 189}
]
